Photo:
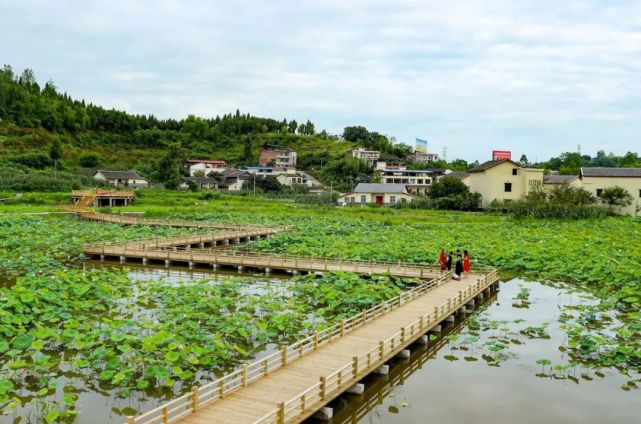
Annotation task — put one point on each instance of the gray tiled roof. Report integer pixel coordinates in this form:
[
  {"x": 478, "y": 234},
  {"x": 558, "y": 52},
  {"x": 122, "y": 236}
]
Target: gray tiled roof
[
  {"x": 121, "y": 175},
  {"x": 611, "y": 172},
  {"x": 490, "y": 164},
  {"x": 460, "y": 175},
  {"x": 379, "y": 188},
  {"x": 559, "y": 179}
]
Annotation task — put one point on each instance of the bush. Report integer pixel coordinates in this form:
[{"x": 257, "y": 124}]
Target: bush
[
  {"x": 32, "y": 160},
  {"x": 529, "y": 209},
  {"x": 90, "y": 160}
]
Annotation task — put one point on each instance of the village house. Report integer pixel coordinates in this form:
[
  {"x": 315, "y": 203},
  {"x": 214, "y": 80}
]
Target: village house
[
  {"x": 121, "y": 179},
  {"x": 371, "y": 156},
  {"x": 416, "y": 181},
  {"x": 278, "y": 156},
  {"x": 234, "y": 179},
  {"x": 203, "y": 167},
  {"x": 206, "y": 183},
  {"x": 595, "y": 180},
  {"x": 376, "y": 193},
  {"x": 503, "y": 180},
  {"x": 422, "y": 157}
]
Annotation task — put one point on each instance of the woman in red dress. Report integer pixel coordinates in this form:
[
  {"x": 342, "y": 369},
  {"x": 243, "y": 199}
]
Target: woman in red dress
[
  {"x": 466, "y": 263},
  {"x": 442, "y": 260}
]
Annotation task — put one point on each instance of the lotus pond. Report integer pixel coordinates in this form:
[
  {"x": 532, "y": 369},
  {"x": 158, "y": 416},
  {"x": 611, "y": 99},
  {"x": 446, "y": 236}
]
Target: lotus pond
[{"x": 94, "y": 345}]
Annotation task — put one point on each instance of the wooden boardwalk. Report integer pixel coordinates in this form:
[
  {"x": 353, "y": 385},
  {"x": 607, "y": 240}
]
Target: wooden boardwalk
[
  {"x": 177, "y": 223},
  {"x": 267, "y": 262},
  {"x": 291, "y": 385}
]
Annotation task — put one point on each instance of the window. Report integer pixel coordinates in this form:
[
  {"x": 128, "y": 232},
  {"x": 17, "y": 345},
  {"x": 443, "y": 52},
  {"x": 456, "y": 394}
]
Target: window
[
  {"x": 353, "y": 199},
  {"x": 392, "y": 199},
  {"x": 515, "y": 171},
  {"x": 363, "y": 199},
  {"x": 508, "y": 187},
  {"x": 534, "y": 183},
  {"x": 598, "y": 192}
]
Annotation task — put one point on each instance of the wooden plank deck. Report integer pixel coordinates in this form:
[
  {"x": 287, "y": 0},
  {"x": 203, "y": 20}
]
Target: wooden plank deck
[{"x": 310, "y": 373}]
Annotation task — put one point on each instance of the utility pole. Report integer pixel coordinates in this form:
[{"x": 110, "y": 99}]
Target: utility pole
[
  {"x": 444, "y": 153},
  {"x": 254, "y": 184}
]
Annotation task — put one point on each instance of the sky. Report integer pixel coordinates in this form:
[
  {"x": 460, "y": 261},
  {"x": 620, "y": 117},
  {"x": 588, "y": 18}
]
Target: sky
[{"x": 534, "y": 77}]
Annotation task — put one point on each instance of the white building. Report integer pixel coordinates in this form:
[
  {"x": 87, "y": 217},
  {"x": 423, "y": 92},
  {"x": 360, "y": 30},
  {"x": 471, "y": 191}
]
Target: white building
[
  {"x": 379, "y": 194},
  {"x": 417, "y": 181},
  {"x": 198, "y": 166},
  {"x": 121, "y": 178},
  {"x": 371, "y": 156},
  {"x": 595, "y": 180},
  {"x": 423, "y": 157},
  {"x": 278, "y": 156}
]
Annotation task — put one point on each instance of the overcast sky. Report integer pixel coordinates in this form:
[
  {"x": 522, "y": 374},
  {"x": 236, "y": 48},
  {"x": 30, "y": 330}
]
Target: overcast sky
[{"x": 537, "y": 77}]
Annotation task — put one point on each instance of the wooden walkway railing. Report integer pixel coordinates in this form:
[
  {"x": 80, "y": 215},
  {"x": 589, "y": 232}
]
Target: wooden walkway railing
[
  {"x": 334, "y": 383},
  {"x": 131, "y": 220}
]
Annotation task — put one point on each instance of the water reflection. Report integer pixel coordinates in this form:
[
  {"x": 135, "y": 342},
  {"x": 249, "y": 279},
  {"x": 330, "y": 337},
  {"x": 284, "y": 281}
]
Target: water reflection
[
  {"x": 485, "y": 370},
  {"x": 353, "y": 408}
]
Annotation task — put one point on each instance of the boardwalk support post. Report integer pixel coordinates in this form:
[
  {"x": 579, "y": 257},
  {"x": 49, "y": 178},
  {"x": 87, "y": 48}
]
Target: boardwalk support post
[
  {"x": 403, "y": 354},
  {"x": 325, "y": 414},
  {"x": 355, "y": 366},
  {"x": 382, "y": 370},
  {"x": 130, "y": 420},
  {"x": 357, "y": 389}
]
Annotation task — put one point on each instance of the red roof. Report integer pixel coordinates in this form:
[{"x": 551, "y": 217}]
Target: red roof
[{"x": 213, "y": 162}]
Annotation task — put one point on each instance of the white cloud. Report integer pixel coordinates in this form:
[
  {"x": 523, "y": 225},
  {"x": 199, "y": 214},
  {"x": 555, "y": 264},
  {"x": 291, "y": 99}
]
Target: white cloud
[{"x": 533, "y": 77}]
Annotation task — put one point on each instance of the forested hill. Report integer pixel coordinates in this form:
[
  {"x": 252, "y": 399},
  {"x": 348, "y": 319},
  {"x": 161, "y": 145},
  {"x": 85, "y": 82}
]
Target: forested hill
[{"x": 35, "y": 117}]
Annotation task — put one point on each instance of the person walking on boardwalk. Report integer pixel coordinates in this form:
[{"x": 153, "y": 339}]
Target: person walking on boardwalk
[
  {"x": 466, "y": 263},
  {"x": 442, "y": 260},
  {"x": 448, "y": 261},
  {"x": 458, "y": 268}
]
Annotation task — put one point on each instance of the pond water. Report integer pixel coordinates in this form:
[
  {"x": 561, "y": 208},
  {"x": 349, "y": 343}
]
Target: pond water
[
  {"x": 482, "y": 369},
  {"x": 464, "y": 377}
]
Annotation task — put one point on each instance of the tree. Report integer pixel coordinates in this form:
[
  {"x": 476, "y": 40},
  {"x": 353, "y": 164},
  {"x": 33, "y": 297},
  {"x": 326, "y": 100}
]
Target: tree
[
  {"x": 523, "y": 160},
  {"x": 55, "y": 153},
  {"x": 448, "y": 186},
  {"x": 616, "y": 196},
  {"x": 356, "y": 134},
  {"x": 292, "y": 126},
  {"x": 247, "y": 150},
  {"x": 90, "y": 160},
  {"x": 171, "y": 165}
]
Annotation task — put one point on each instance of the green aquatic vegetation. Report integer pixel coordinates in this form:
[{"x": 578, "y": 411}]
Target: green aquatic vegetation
[{"x": 100, "y": 329}]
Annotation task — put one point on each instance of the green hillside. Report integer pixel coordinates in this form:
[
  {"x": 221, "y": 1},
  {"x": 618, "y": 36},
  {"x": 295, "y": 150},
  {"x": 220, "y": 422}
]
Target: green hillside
[{"x": 38, "y": 124}]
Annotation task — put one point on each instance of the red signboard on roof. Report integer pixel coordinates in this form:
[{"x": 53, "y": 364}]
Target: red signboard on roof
[{"x": 501, "y": 155}]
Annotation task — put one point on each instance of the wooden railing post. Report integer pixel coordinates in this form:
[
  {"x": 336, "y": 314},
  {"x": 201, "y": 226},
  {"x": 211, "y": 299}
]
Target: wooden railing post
[
  {"x": 402, "y": 335},
  {"x": 355, "y": 366},
  {"x": 342, "y": 328},
  {"x": 194, "y": 399},
  {"x": 221, "y": 388},
  {"x": 381, "y": 349},
  {"x": 323, "y": 385},
  {"x": 283, "y": 355},
  {"x": 165, "y": 415},
  {"x": 130, "y": 420},
  {"x": 281, "y": 413},
  {"x": 245, "y": 375},
  {"x": 315, "y": 340}
]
